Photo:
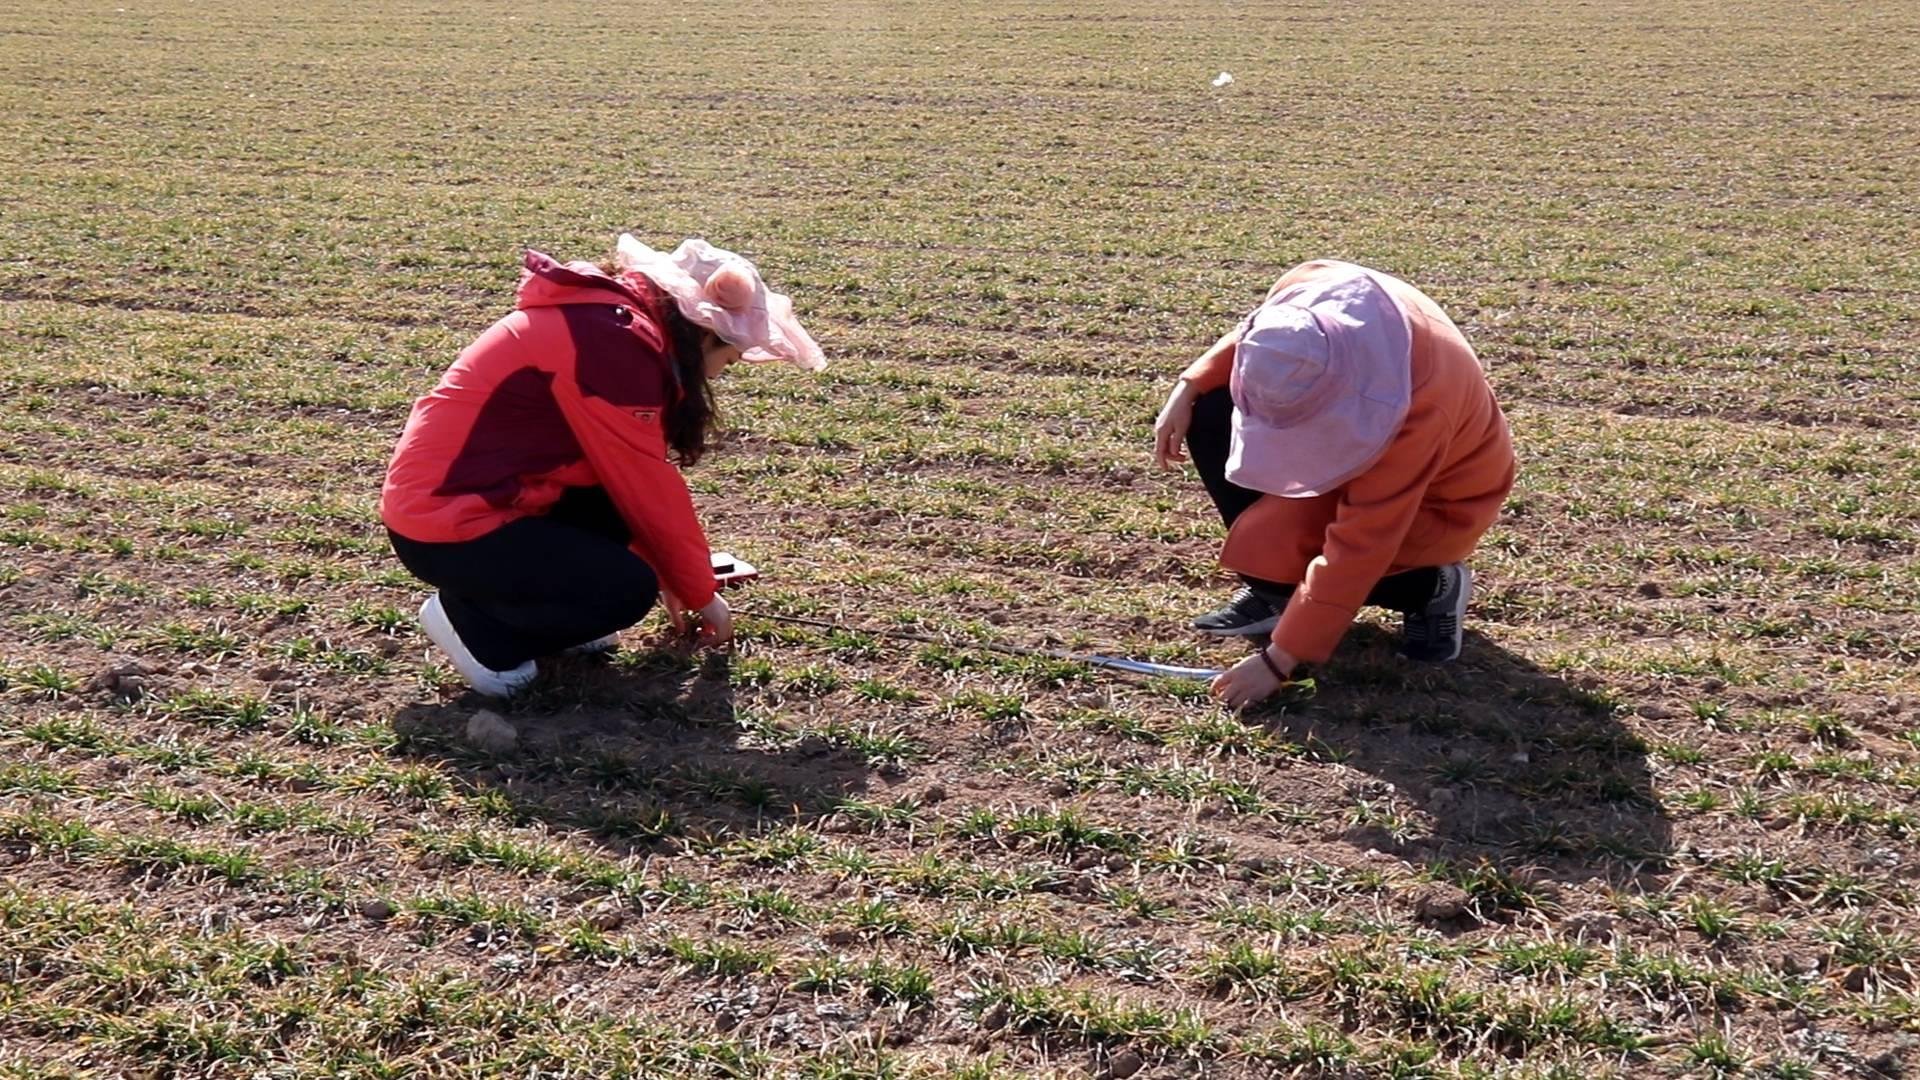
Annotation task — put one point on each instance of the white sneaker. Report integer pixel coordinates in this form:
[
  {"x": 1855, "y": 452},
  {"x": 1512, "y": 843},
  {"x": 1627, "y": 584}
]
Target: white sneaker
[
  {"x": 433, "y": 619},
  {"x": 599, "y": 646}
]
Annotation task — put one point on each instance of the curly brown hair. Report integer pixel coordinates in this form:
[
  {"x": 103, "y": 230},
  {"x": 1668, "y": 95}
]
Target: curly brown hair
[{"x": 691, "y": 421}]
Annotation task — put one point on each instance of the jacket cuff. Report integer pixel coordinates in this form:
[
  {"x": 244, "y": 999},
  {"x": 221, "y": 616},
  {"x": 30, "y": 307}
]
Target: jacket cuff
[
  {"x": 1311, "y": 629},
  {"x": 697, "y": 599}
]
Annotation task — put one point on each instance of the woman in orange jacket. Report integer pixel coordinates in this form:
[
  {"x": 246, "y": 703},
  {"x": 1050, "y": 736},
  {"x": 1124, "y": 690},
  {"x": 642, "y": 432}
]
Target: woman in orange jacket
[
  {"x": 536, "y": 486},
  {"x": 1347, "y": 435}
]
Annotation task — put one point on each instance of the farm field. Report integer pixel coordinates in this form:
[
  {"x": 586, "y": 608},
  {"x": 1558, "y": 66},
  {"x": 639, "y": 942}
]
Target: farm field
[{"x": 1658, "y": 820}]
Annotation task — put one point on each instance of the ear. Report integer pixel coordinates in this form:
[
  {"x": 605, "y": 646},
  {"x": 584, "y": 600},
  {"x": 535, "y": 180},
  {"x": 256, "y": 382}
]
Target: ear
[{"x": 731, "y": 287}]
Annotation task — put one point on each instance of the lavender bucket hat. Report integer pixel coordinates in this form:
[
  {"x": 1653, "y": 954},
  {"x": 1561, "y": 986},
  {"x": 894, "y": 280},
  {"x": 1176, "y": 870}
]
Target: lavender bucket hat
[{"x": 1321, "y": 382}]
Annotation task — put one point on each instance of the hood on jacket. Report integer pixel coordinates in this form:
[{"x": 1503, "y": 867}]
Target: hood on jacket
[{"x": 548, "y": 282}]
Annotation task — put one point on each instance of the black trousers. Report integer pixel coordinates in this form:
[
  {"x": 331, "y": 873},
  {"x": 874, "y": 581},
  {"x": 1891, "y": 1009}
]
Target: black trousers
[
  {"x": 1210, "y": 440},
  {"x": 538, "y": 585}
]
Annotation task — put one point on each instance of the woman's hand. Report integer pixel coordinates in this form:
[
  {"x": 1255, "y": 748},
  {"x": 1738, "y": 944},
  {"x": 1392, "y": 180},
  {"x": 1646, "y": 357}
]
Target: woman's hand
[
  {"x": 1252, "y": 681},
  {"x": 676, "y": 613},
  {"x": 1170, "y": 430},
  {"x": 716, "y": 623}
]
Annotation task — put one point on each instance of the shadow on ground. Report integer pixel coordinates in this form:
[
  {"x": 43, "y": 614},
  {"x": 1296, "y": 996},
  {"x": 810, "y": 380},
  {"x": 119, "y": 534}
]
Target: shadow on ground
[
  {"x": 1519, "y": 769},
  {"x": 632, "y": 750}
]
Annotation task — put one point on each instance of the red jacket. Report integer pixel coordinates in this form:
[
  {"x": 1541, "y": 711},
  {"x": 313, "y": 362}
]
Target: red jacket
[{"x": 570, "y": 390}]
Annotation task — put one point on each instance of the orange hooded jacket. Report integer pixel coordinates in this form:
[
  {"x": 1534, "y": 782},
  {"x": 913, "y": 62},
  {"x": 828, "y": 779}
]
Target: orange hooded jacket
[{"x": 1426, "y": 501}]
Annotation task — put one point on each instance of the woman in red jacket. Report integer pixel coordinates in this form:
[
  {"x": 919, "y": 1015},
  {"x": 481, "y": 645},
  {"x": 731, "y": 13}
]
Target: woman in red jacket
[
  {"x": 536, "y": 486},
  {"x": 1347, "y": 434}
]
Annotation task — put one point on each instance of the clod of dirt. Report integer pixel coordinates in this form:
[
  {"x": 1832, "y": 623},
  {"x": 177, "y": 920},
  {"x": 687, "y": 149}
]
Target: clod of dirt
[
  {"x": 995, "y": 1017},
  {"x": 607, "y": 919},
  {"x": 125, "y": 679},
  {"x": 933, "y": 794},
  {"x": 269, "y": 673},
  {"x": 1117, "y": 861},
  {"x": 1887, "y": 1063},
  {"x": 1590, "y": 926},
  {"x": 1656, "y": 712},
  {"x": 1122, "y": 1065},
  {"x": 1651, "y": 590},
  {"x": 1088, "y": 860},
  {"x": 1799, "y": 965},
  {"x": 840, "y": 937},
  {"x": 376, "y": 910},
  {"x": 489, "y": 731},
  {"x": 1438, "y": 902}
]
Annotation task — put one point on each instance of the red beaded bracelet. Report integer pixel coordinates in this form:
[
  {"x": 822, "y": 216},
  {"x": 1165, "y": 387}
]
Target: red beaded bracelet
[{"x": 1271, "y": 666}]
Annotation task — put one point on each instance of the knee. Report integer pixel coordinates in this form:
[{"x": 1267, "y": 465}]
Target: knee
[{"x": 628, "y": 595}]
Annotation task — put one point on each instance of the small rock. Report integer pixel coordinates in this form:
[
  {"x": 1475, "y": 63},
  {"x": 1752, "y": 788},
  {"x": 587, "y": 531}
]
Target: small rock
[
  {"x": 607, "y": 919},
  {"x": 725, "y": 1022},
  {"x": 1653, "y": 711},
  {"x": 933, "y": 794},
  {"x": 840, "y": 937},
  {"x": 376, "y": 910},
  {"x": 1124, "y": 1064},
  {"x": 1438, "y": 902},
  {"x": 268, "y": 673},
  {"x": 1087, "y": 860},
  {"x": 1651, "y": 590},
  {"x": 1117, "y": 861},
  {"x": 489, "y": 731},
  {"x": 1442, "y": 797},
  {"x": 995, "y": 1017},
  {"x": 1059, "y": 789}
]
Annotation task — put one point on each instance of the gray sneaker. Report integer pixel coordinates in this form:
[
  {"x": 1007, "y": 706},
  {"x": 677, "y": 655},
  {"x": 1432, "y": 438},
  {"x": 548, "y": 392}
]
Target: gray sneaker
[
  {"x": 1248, "y": 614},
  {"x": 1433, "y": 633}
]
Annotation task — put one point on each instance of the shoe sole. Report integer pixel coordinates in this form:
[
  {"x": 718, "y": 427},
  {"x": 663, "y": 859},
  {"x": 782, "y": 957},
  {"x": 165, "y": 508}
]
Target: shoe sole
[
  {"x": 439, "y": 630},
  {"x": 1459, "y": 616},
  {"x": 1254, "y": 629},
  {"x": 1460, "y": 610}
]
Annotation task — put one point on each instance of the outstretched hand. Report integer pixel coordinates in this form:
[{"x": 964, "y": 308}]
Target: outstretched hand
[
  {"x": 711, "y": 626},
  {"x": 1253, "y": 680}
]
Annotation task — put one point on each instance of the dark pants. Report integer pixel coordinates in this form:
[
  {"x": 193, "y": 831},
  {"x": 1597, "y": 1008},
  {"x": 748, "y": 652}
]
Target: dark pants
[
  {"x": 538, "y": 585},
  {"x": 1210, "y": 439}
]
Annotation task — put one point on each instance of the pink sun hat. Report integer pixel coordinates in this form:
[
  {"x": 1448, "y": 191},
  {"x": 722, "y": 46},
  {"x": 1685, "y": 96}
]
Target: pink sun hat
[
  {"x": 723, "y": 292},
  {"x": 1322, "y": 377}
]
